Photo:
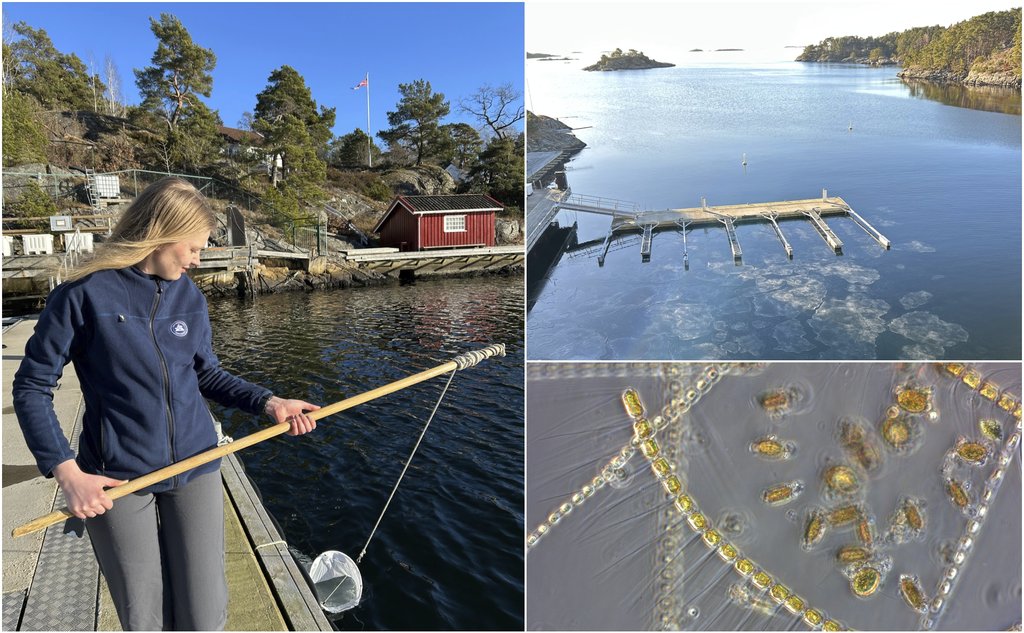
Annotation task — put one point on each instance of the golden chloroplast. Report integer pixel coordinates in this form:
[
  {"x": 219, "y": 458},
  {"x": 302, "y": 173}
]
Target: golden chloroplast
[
  {"x": 814, "y": 529},
  {"x": 865, "y": 582},
  {"x": 910, "y": 589},
  {"x": 841, "y": 480},
  {"x": 631, "y": 401},
  {"x": 974, "y": 453},
  {"x": 914, "y": 400},
  {"x": 853, "y": 554}
]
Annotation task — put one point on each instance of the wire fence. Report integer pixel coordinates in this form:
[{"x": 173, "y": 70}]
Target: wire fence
[
  {"x": 62, "y": 186},
  {"x": 307, "y": 234}
]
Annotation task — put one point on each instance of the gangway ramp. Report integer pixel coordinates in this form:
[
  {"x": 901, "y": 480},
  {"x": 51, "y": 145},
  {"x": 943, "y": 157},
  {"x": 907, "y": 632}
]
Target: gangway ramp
[
  {"x": 771, "y": 217},
  {"x": 645, "y": 243},
  {"x": 870, "y": 230},
  {"x": 602, "y": 206},
  {"x": 824, "y": 231}
]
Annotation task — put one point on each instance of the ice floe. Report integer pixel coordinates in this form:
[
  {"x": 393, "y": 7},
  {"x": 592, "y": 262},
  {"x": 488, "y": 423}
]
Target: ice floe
[
  {"x": 918, "y": 246},
  {"x": 796, "y": 295},
  {"x": 851, "y": 273},
  {"x": 928, "y": 330},
  {"x": 850, "y": 326},
  {"x": 790, "y": 337},
  {"x": 917, "y": 299}
]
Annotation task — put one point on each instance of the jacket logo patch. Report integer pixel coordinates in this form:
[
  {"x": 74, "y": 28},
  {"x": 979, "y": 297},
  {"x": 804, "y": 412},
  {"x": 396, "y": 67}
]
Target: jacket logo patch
[{"x": 179, "y": 328}]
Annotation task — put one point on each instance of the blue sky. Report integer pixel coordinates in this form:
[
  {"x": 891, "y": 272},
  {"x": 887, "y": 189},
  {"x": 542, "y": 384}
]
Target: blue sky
[{"x": 457, "y": 47}]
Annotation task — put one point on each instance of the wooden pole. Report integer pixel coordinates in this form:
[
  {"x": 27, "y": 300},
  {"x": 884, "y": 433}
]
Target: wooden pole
[{"x": 463, "y": 361}]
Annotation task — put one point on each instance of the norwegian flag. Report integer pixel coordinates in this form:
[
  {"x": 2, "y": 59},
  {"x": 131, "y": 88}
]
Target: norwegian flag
[{"x": 362, "y": 84}]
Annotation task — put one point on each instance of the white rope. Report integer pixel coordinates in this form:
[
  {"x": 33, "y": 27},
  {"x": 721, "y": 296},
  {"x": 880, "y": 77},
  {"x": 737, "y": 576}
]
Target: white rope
[
  {"x": 407, "y": 462},
  {"x": 271, "y": 544},
  {"x": 471, "y": 358}
]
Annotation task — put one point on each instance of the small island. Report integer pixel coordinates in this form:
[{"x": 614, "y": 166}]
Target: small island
[
  {"x": 630, "y": 60},
  {"x": 728, "y": 50},
  {"x": 548, "y": 57},
  {"x": 696, "y": 50}
]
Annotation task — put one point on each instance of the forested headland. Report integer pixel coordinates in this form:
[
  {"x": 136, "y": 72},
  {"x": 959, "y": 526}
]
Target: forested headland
[
  {"x": 62, "y": 116},
  {"x": 984, "y": 50}
]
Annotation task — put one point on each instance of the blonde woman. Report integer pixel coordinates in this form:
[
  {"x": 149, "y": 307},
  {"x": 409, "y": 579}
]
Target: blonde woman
[{"x": 138, "y": 331}]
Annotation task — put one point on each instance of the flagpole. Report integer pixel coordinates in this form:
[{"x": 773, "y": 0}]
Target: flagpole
[{"x": 369, "y": 139}]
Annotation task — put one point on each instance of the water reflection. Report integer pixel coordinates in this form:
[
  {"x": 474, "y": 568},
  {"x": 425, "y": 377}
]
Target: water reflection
[
  {"x": 450, "y": 548},
  {"x": 988, "y": 98}
]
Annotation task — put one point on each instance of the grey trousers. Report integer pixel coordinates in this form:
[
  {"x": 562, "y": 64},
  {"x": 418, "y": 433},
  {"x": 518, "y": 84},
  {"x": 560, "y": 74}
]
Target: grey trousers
[{"x": 163, "y": 557}]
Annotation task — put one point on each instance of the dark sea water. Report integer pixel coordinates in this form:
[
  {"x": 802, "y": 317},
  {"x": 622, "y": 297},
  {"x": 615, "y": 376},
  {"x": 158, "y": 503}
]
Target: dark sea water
[
  {"x": 942, "y": 181},
  {"x": 449, "y": 552}
]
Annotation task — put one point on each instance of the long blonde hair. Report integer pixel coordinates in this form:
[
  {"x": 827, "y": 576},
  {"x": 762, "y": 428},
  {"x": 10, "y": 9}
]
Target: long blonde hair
[{"x": 168, "y": 211}]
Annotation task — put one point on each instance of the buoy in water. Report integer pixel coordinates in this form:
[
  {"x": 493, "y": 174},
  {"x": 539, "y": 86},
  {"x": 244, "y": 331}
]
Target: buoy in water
[{"x": 336, "y": 581}]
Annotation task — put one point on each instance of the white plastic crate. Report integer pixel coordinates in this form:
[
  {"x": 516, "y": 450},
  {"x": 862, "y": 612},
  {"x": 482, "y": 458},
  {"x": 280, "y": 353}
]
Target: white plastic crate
[
  {"x": 38, "y": 244},
  {"x": 108, "y": 186},
  {"x": 80, "y": 242},
  {"x": 8, "y": 245}
]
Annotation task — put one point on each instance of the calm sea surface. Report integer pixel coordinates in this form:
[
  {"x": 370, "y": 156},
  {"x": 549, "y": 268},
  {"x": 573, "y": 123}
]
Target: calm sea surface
[
  {"x": 449, "y": 552},
  {"x": 941, "y": 181}
]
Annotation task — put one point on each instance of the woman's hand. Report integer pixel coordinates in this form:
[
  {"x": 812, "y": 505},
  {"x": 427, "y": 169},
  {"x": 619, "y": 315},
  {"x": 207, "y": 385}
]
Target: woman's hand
[
  {"x": 84, "y": 492},
  {"x": 293, "y": 412}
]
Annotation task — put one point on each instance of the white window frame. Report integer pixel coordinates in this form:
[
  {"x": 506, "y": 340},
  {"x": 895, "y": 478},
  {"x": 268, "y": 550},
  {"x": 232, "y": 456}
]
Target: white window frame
[{"x": 459, "y": 226}]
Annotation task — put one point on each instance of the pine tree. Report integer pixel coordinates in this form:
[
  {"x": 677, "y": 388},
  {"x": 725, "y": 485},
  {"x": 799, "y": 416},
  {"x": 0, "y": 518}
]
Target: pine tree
[
  {"x": 499, "y": 173},
  {"x": 415, "y": 123},
  {"x": 24, "y": 139},
  {"x": 32, "y": 65},
  {"x": 179, "y": 74},
  {"x": 195, "y": 143},
  {"x": 461, "y": 145},
  {"x": 293, "y": 129},
  {"x": 350, "y": 150}
]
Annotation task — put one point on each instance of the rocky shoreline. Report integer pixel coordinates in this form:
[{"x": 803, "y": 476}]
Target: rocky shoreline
[
  {"x": 997, "y": 79},
  {"x": 1002, "y": 79},
  {"x": 263, "y": 280},
  {"x": 626, "y": 63},
  {"x": 546, "y": 134}
]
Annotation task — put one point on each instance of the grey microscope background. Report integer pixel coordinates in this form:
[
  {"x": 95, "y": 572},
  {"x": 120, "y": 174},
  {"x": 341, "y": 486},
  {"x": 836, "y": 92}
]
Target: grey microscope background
[{"x": 597, "y": 568}]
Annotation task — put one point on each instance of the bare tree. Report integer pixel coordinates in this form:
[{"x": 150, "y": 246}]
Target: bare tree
[
  {"x": 92, "y": 81},
  {"x": 114, "y": 96},
  {"x": 8, "y": 63},
  {"x": 497, "y": 107},
  {"x": 245, "y": 122}
]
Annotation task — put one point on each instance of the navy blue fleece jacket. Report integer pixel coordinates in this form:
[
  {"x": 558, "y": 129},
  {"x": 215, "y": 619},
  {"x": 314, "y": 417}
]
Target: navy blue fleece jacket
[{"x": 142, "y": 349}]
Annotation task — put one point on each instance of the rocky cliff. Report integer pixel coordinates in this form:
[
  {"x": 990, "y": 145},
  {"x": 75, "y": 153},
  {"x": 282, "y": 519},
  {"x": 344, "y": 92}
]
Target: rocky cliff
[
  {"x": 545, "y": 134},
  {"x": 1004, "y": 79}
]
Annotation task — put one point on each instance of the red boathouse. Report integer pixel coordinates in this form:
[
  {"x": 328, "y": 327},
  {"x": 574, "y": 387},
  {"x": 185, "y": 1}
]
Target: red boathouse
[{"x": 416, "y": 223}]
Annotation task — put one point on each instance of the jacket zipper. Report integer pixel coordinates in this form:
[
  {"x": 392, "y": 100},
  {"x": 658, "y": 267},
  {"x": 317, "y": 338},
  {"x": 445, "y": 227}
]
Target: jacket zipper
[
  {"x": 103, "y": 448},
  {"x": 167, "y": 379}
]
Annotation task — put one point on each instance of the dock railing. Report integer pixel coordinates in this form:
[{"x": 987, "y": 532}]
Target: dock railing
[{"x": 599, "y": 204}]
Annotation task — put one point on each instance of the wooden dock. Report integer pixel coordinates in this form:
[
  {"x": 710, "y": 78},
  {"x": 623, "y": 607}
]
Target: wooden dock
[{"x": 815, "y": 210}]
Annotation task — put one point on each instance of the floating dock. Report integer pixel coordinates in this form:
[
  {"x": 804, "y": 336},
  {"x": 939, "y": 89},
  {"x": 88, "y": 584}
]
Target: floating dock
[{"x": 626, "y": 219}]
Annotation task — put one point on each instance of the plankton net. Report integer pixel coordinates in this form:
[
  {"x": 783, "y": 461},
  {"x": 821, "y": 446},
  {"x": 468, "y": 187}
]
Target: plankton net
[{"x": 336, "y": 581}]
